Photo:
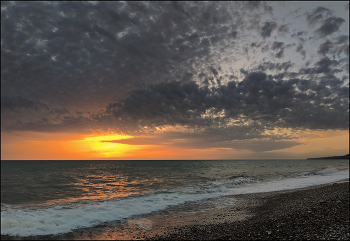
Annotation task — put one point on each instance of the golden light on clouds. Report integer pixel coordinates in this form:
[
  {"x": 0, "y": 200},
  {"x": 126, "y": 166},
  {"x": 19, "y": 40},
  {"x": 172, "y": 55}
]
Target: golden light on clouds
[{"x": 319, "y": 144}]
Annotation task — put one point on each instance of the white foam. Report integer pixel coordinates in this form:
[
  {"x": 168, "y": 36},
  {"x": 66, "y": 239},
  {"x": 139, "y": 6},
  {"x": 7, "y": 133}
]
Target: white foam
[
  {"x": 325, "y": 176},
  {"x": 327, "y": 171},
  {"x": 56, "y": 220},
  {"x": 63, "y": 219}
]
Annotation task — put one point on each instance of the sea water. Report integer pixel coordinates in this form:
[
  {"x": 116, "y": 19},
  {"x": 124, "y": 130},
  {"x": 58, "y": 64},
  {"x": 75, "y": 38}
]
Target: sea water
[{"x": 56, "y": 197}]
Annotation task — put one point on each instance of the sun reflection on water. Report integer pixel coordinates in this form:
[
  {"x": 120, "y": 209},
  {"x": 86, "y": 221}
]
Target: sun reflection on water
[{"x": 89, "y": 186}]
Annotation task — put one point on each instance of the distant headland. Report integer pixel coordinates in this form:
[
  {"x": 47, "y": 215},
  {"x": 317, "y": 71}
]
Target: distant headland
[{"x": 331, "y": 157}]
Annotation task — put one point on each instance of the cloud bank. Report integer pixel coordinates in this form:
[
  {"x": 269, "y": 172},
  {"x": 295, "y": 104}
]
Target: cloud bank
[{"x": 200, "y": 74}]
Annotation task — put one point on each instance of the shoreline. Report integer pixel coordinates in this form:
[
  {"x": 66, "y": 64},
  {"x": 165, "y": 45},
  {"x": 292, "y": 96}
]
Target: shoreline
[
  {"x": 317, "y": 212},
  {"x": 247, "y": 216}
]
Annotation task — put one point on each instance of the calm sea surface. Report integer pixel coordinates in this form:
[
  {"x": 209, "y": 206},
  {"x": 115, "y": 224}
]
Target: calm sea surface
[{"x": 52, "y": 197}]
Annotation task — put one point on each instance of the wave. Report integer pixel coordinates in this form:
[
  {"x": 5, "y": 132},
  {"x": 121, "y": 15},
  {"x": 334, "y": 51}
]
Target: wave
[{"x": 327, "y": 171}]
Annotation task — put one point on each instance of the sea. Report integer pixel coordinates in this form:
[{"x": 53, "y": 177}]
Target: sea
[{"x": 58, "y": 197}]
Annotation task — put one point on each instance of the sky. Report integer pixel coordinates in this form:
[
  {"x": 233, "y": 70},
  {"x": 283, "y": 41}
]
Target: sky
[{"x": 174, "y": 80}]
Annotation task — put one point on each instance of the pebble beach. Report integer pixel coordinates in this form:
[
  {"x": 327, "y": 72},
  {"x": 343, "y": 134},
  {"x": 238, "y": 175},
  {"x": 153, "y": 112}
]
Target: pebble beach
[{"x": 314, "y": 213}]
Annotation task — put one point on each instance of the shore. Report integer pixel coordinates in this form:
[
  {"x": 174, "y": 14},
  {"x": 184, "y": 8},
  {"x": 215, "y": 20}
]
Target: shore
[
  {"x": 319, "y": 212},
  {"x": 314, "y": 213}
]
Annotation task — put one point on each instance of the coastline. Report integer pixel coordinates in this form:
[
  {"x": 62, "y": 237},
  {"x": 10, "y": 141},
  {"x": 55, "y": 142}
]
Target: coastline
[
  {"x": 308, "y": 213},
  {"x": 329, "y": 157},
  {"x": 317, "y": 212}
]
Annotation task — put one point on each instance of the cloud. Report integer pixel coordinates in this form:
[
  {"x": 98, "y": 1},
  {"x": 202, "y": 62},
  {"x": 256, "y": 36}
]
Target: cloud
[
  {"x": 277, "y": 45},
  {"x": 317, "y": 15},
  {"x": 283, "y": 29},
  {"x": 67, "y": 124},
  {"x": 324, "y": 48},
  {"x": 18, "y": 102},
  {"x": 204, "y": 141},
  {"x": 257, "y": 103},
  {"x": 329, "y": 26},
  {"x": 296, "y": 103},
  {"x": 267, "y": 29},
  {"x": 300, "y": 49},
  {"x": 323, "y": 66},
  {"x": 279, "y": 54},
  {"x": 342, "y": 38},
  {"x": 274, "y": 66},
  {"x": 62, "y": 111},
  {"x": 335, "y": 48},
  {"x": 93, "y": 48}
]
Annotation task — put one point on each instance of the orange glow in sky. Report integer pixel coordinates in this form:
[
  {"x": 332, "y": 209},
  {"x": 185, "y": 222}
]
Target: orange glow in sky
[
  {"x": 106, "y": 149},
  {"x": 64, "y": 146}
]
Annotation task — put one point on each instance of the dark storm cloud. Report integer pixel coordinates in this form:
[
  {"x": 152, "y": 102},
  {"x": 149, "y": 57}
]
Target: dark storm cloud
[
  {"x": 317, "y": 15},
  {"x": 299, "y": 34},
  {"x": 267, "y": 29},
  {"x": 300, "y": 49},
  {"x": 274, "y": 66},
  {"x": 234, "y": 34},
  {"x": 329, "y": 26},
  {"x": 279, "y": 54},
  {"x": 18, "y": 103},
  {"x": 342, "y": 38},
  {"x": 65, "y": 125},
  {"x": 239, "y": 111},
  {"x": 296, "y": 103},
  {"x": 283, "y": 29},
  {"x": 262, "y": 100},
  {"x": 99, "y": 48},
  {"x": 278, "y": 46},
  {"x": 323, "y": 66},
  {"x": 324, "y": 48},
  {"x": 334, "y": 48},
  {"x": 62, "y": 111}
]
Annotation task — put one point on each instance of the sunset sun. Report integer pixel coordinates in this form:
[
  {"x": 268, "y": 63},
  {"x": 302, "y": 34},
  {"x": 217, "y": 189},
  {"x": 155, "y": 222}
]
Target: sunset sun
[{"x": 103, "y": 146}]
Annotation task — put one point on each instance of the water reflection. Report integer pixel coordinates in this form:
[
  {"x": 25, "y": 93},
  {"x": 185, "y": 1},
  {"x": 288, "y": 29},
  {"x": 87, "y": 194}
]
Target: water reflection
[
  {"x": 51, "y": 183},
  {"x": 102, "y": 186}
]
